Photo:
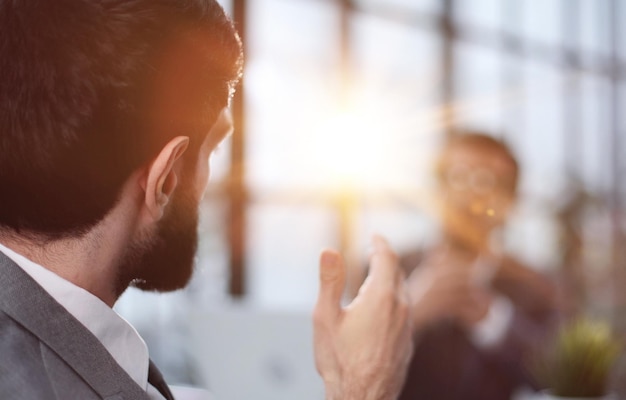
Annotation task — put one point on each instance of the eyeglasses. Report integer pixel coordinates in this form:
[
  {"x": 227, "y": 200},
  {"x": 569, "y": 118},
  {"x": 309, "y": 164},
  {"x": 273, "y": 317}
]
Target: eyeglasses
[{"x": 478, "y": 180}]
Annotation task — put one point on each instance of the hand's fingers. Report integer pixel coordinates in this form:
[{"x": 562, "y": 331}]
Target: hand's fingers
[
  {"x": 437, "y": 281},
  {"x": 384, "y": 268},
  {"x": 332, "y": 284},
  {"x": 401, "y": 286}
]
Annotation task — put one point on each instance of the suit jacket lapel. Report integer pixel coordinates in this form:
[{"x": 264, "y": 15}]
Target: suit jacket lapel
[{"x": 30, "y": 305}]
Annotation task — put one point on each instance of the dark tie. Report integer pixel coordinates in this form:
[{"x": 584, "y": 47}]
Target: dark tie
[{"x": 156, "y": 379}]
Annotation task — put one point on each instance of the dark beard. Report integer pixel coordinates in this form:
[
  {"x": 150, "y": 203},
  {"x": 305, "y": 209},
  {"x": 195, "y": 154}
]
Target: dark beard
[{"x": 163, "y": 261}]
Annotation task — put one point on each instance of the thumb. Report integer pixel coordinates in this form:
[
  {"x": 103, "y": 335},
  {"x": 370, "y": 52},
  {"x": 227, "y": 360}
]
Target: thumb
[{"x": 332, "y": 284}]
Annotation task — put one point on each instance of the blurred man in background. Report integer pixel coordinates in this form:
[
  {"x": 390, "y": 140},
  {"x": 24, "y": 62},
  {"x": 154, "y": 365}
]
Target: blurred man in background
[
  {"x": 480, "y": 310},
  {"x": 109, "y": 112}
]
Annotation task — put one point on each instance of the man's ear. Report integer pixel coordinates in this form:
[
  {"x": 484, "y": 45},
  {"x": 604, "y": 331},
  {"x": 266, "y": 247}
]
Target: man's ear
[{"x": 160, "y": 179}]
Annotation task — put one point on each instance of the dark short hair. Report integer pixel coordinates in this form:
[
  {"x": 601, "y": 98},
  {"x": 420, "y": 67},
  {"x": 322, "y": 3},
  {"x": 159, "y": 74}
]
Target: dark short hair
[
  {"x": 76, "y": 89},
  {"x": 479, "y": 140}
]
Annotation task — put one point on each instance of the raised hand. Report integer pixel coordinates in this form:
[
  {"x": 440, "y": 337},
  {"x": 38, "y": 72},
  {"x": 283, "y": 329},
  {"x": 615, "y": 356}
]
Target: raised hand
[{"x": 362, "y": 351}]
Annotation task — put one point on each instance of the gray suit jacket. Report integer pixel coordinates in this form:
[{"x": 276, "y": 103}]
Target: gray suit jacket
[{"x": 45, "y": 353}]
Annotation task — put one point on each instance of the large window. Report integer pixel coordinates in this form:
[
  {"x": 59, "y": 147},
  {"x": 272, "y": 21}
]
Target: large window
[{"x": 346, "y": 101}]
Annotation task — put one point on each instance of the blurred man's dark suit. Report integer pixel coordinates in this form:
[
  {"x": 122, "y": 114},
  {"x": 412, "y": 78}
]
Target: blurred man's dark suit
[{"x": 45, "y": 353}]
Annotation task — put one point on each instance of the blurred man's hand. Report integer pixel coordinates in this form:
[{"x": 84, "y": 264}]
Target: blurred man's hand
[
  {"x": 362, "y": 351},
  {"x": 444, "y": 287}
]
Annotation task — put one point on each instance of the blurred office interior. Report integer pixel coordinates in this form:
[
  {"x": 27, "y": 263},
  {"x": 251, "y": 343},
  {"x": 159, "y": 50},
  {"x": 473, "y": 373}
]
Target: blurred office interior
[{"x": 341, "y": 109}]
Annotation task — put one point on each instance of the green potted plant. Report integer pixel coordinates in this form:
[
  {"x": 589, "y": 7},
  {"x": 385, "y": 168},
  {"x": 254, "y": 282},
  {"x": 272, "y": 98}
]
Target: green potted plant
[{"x": 579, "y": 361}]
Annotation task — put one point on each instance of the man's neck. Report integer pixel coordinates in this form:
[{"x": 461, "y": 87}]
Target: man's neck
[{"x": 89, "y": 261}]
